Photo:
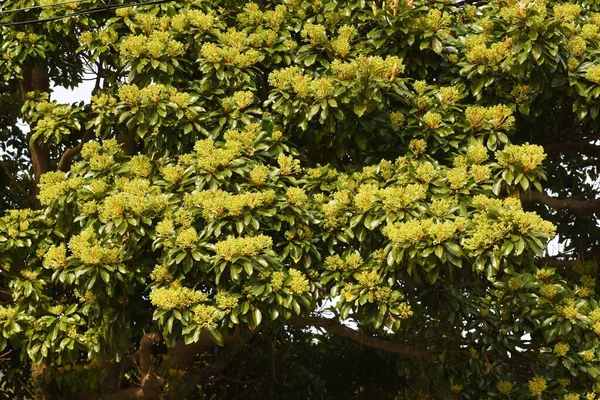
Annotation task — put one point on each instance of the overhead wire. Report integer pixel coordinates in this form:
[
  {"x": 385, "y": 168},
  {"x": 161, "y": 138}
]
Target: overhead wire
[{"x": 84, "y": 12}]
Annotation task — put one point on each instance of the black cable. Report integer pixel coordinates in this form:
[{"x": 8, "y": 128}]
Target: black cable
[{"x": 84, "y": 12}]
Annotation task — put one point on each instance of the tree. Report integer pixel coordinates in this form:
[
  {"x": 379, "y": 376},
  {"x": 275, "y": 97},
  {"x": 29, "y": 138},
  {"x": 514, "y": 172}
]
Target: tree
[{"x": 250, "y": 177}]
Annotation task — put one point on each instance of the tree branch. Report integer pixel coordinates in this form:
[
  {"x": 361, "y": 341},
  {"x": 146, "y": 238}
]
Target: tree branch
[
  {"x": 65, "y": 160},
  {"x": 335, "y": 328},
  {"x": 146, "y": 351},
  {"x": 149, "y": 389},
  {"x": 151, "y": 385},
  {"x": 578, "y": 146},
  {"x": 36, "y": 79},
  {"x": 558, "y": 203},
  {"x": 197, "y": 378}
]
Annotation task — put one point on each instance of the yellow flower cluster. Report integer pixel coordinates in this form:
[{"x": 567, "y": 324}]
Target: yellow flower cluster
[
  {"x": 369, "y": 279},
  {"x": 226, "y": 301},
  {"x": 528, "y": 156},
  {"x": 548, "y": 291},
  {"x": 7, "y": 313},
  {"x": 88, "y": 297},
  {"x": 86, "y": 247},
  {"x": 449, "y": 95},
  {"x": 372, "y": 66},
  {"x": 569, "y": 310},
  {"x": 366, "y": 197},
  {"x": 239, "y": 100},
  {"x": 248, "y": 246},
  {"x": 192, "y": 18},
  {"x": 397, "y": 198},
  {"x": 17, "y": 222},
  {"x": 568, "y": 12},
  {"x": 165, "y": 228},
  {"x": 211, "y": 157},
  {"x": 425, "y": 172},
  {"x": 206, "y": 316},
  {"x": 277, "y": 280},
  {"x": 296, "y": 197},
  {"x": 537, "y": 385},
  {"x": 217, "y": 203},
  {"x": 588, "y": 355},
  {"x": 351, "y": 262},
  {"x": 505, "y": 387},
  {"x": 435, "y": 20},
  {"x": 55, "y": 257},
  {"x": 29, "y": 274},
  {"x": 52, "y": 185},
  {"x": 499, "y": 218},
  {"x": 477, "y": 153},
  {"x": 457, "y": 177},
  {"x": 187, "y": 238},
  {"x": 101, "y": 101},
  {"x": 157, "y": 45},
  {"x": 416, "y": 230},
  {"x": 259, "y": 175},
  {"x": 432, "y": 120},
  {"x": 172, "y": 173},
  {"x": 498, "y": 117},
  {"x": 572, "y": 396},
  {"x": 561, "y": 349},
  {"x": 593, "y": 73},
  {"x": 315, "y": 34},
  {"x": 590, "y": 31},
  {"x": 151, "y": 95},
  {"x": 288, "y": 165},
  {"x": 441, "y": 207},
  {"x": 480, "y": 173},
  {"x": 245, "y": 138},
  {"x": 230, "y": 55},
  {"x": 134, "y": 196},
  {"x": 405, "y": 310},
  {"x": 334, "y": 215},
  {"x": 140, "y": 166},
  {"x": 298, "y": 283},
  {"x": 161, "y": 273},
  {"x": 564, "y": 382},
  {"x": 478, "y": 52},
  {"x": 576, "y": 46},
  {"x": 175, "y": 296},
  {"x": 252, "y": 15},
  {"x": 263, "y": 37},
  {"x": 397, "y": 120}
]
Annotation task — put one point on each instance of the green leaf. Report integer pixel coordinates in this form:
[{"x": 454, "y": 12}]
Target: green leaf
[
  {"x": 359, "y": 109},
  {"x": 256, "y": 316},
  {"x": 436, "y": 45}
]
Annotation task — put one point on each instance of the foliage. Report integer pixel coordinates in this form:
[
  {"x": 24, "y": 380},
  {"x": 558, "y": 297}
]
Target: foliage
[{"x": 241, "y": 167}]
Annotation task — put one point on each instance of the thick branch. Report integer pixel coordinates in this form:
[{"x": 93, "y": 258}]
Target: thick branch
[
  {"x": 558, "y": 203},
  {"x": 579, "y": 146},
  {"x": 36, "y": 79},
  {"x": 335, "y": 328},
  {"x": 149, "y": 389},
  {"x": 65, "y": 160},
  {"x": 197, "y": 378},
  {"x": 146, "y": 351},
  {"x": 151, "y": 386}
]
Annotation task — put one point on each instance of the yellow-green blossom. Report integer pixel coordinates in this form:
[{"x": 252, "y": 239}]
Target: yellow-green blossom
[
  {"x": 175, "y": 296},
  {"x": 248, "y": 246},
  {"x": 504, "y": 387},
  {"x": 537, "y": 385}
]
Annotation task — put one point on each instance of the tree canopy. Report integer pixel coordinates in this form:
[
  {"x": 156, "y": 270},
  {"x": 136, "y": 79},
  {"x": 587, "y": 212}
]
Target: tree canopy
[{"x": 311, "y": 199}]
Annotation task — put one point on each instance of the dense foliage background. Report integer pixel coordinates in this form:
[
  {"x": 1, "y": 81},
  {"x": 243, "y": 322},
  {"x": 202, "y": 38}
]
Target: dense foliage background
[{"x": 250, "y": 178}]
